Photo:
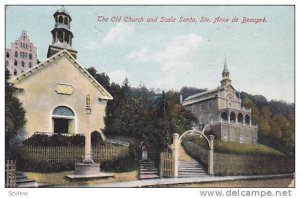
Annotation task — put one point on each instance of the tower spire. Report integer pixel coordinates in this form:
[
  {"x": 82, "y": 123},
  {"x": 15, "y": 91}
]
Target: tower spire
[
  {"x": 225, "y": 74},
  {"x": 225, "y": 66},
  {"x": 61, "y": 34}
]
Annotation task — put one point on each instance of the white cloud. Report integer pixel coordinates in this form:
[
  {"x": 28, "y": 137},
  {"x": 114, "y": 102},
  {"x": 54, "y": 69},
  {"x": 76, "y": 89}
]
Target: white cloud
[
  {"x": 118, "y": 76},
  {"x": 142, "y": 55},
  {"x": 178, "y": 47},
  {"x": 170, "y": 59},
  {"x": 119, "y": 32}
]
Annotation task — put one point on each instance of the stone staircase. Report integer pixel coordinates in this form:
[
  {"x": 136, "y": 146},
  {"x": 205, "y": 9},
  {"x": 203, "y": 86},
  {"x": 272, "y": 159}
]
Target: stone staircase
[
  {"x": 191, "y": 168},
  {"x": 148, "y": 170},
  {"x": 24, "y": 182}
]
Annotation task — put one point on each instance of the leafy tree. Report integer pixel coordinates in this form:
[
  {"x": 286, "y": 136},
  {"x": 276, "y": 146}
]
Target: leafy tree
[
  {"x": 265, "y": 121},
  {"x": 188, "y": 91},
  {"x": 14, "y": 112},
  {"x": 102, "y": 78}
]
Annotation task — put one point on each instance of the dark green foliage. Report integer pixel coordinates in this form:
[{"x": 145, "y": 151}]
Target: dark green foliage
[
  {"x": 102, "y": 78},
  {"x": 14, "y": 112},
  {"x": 143, "y": 114},
  {"x": 61, "y": 140},
  {"x": 188, "y": 91},
  {"x": 275, "y": 120},
  {"x": 124, "y": 164},
  {"x": 43, "y": 167}
]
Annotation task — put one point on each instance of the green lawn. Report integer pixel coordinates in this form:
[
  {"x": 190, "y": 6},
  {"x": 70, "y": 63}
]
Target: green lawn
[{"x": 237, "y": 148}]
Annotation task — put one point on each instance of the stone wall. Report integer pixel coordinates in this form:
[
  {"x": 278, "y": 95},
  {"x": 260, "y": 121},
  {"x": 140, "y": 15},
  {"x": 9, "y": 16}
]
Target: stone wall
[
  {"x": 234, "y": 133},
  {"x": 234, "y": 164}
]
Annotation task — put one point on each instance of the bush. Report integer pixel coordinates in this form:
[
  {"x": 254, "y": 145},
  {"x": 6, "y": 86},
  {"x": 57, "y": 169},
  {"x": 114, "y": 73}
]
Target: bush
[
  {"x": 124, "y": 164},
  {"x": 62, "y": 140},
  {"x": 43, "y": 167}
]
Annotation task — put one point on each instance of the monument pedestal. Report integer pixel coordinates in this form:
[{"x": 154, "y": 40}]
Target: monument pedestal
[{"x": 87, "y": 171}]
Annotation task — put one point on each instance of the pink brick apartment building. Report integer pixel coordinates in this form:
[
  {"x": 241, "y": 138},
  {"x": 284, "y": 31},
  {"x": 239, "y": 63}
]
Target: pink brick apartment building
[{"x": 21, "y": 56}]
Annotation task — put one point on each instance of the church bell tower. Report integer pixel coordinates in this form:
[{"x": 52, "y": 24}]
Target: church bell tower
[
  {"x": 61, "y": 34},
  {"x": 225, "y": 75}
]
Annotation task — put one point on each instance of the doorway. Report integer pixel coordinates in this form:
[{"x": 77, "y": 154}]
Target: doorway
[
  {"x": 61, "y": 125},
  {"x": 63, "y": 119}
]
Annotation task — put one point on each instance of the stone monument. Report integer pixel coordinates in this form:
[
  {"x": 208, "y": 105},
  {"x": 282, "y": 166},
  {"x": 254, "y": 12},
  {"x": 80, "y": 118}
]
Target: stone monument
[{"x": 88, "y": 169}]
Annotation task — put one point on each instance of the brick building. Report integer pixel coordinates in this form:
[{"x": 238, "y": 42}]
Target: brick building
[
  {"x": 222, "y": 107},
  {"x": 21, "y": 56}
]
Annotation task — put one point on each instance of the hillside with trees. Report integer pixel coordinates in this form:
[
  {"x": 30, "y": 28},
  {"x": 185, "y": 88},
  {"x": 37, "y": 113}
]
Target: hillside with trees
[{"x": 153, "y": 116}]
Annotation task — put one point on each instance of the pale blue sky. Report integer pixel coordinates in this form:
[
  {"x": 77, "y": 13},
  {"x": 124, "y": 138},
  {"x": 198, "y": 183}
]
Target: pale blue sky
[{"x": 260, "y": 57}]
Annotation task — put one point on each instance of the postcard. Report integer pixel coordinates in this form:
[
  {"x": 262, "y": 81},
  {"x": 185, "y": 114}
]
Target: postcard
[{"x": 160, "y": 96}]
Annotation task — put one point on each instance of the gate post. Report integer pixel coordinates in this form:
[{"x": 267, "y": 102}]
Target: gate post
[
  {"x": 211, "y": 155},
  {"x": 176, "y": 153}
]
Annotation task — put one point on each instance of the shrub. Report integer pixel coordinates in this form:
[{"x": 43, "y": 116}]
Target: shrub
[{"x": 62, "y": 140}]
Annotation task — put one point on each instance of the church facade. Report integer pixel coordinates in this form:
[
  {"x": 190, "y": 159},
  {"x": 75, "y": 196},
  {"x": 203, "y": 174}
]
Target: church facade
[
  {"x": 222, "y": 107},
  {"x": 53, "y": 93}
]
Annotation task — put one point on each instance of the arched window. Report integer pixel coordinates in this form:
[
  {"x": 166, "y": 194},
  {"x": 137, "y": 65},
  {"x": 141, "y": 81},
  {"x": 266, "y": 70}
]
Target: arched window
[
  {"x": 247, "y": 119},
  {"x": 224, "y": 116},
  {"x": 210, "y": 117},
  {"x": 63, "y": 120},
  {"x": 30, "y": 56},
  {"x": 63, "y": 111},
  {"x": 66, "y": 21},
  {"x": 60, "y": 19},
  {"x": 30, "y": 64},
  {"x": 7, "y": 54},
  {"x": 241, "y": 139},
  {"x": 16, "y": 54},
  {"x": 232, "y": 117},
  {"x": 15, "y": 72},
  {"x": 66, "y": 38},
  {"x": 23, "y": 64},
  {"x": 225, "y": 137},
  {"x": 201, "y": 122},
  {"x": 240, "y": 118},
  {"x": 15, "y": 63},
  {"x": 193, "y": 108}
]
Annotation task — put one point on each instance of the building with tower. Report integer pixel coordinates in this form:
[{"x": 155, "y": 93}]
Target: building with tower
[
  {"x": 53, "y": 93},
  {"x": 21, "y": 56},
  {"x": 61, "y": 34},
  {"x": 222, "y": 107}
]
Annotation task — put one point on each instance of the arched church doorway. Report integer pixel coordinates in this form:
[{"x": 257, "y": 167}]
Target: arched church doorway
[{"x": 63, "y": 119}]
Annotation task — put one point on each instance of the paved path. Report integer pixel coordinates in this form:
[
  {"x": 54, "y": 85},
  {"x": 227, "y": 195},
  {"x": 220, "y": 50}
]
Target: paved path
[{"x": 166, "y": 181}]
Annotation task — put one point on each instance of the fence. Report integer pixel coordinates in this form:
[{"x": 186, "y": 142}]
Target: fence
[
  {"x": 166, "y": 164},
  {"x": 10, "y": 174},
  {"x": 71, "y": 154}
]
